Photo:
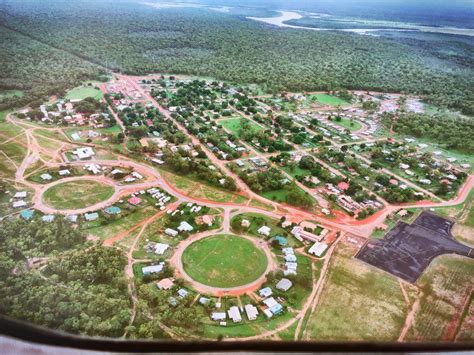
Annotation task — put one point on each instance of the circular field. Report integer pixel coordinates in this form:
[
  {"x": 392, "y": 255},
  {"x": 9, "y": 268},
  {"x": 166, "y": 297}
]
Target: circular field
[
  {"x": 77, "y": 194},
  {"x": 224, "y": 261}
]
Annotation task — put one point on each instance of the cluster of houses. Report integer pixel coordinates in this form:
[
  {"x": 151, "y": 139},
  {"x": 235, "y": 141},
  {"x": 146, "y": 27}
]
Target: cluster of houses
[
  {"x": 346, "y": 201},
  {"x": 64, "y": 112},
  {"x": 270, "y": 306}
]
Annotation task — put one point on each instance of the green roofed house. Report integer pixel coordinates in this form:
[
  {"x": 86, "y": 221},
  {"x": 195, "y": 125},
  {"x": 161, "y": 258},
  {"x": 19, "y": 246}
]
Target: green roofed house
[
  {"x": 27, "y": 214},
  {"x": 112, "y": 210}
]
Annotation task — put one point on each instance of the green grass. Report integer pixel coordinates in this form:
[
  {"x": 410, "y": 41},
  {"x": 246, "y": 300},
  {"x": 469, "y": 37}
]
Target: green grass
[
  {"x": 82, "y": 92},
  {"x": 358, "y": 302},
  {"x": 445, "y": 285},
  {"x": 10, "y": 93},
  {"x": 330, "y": 100},
  {"x": 351, "y": 125},
  {"x": 224, "y": 261},
  {"x": 77, "y": 194},
  {"x": 233, "y": 125}
]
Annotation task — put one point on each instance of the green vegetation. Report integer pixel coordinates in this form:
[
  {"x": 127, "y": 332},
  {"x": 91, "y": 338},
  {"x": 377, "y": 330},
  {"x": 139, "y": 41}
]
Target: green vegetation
[
  {"x": 77, "y": 194},
  {"x": 224, "y": 261},
  {"x": 82, "y": 292},
  {"x": 330, "y": 100},
  {"x": 138, "y": 39},
  {"x": 454, "y": 133},
  {"x": 445, "y": 288},
  {"x": 235, "y": 125},
  {"x": 82, "y": 92},
  {"x": 351, "y": 125},
  {"x": 356, "y": 294}
]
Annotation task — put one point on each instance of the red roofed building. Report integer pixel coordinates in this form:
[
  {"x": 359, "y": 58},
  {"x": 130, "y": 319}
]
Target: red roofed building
[
  {"x": 134, "y": 200},
  {"x": 149, "y": 123},
  {"x": 393, "y": 182},
  {"x": 343, "y": 185}
]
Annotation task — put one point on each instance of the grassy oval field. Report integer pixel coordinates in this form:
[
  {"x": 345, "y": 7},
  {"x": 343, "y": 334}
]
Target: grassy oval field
[
  {"x": 224, "y": 261},
  {"x": 77, "y": 194}
]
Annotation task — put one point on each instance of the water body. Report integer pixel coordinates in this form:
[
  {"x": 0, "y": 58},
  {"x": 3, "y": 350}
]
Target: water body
[{"x": 285, "y": 16}]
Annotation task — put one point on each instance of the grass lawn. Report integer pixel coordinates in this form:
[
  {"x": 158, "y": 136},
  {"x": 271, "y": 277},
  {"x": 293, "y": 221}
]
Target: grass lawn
[
  {"x": 77, "y": 194},
  {"x": 233, "y": 125},
  {"x": 82, "y": 92},
  {"x": 358, "y": 302},
  {"x": 330, "y": 100},
  {"x": 352, "y": 126},
  {"x": 10, "y": 93},
  {"x": 224, "y": 261},
  {"x": 445, "y": 286}
]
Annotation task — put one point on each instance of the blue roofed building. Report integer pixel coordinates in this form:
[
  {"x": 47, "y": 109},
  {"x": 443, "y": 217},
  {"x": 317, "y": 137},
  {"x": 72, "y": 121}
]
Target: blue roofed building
[
  {"x": 112, "y": 210},
  {"x": 281, "y": 240},
  {"x": 27, "y": 214},
  {"x": 91, "y": 216}
]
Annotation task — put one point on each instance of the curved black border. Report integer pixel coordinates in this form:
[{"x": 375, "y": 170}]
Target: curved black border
[{"x": 40, "y": 335}]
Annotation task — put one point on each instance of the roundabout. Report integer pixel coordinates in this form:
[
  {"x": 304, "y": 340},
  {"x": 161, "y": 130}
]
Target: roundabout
[{"x": 223, "y": 264}]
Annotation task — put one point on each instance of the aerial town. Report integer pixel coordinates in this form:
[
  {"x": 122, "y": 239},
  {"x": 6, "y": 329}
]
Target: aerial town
[{"x": 241, "y": 207}]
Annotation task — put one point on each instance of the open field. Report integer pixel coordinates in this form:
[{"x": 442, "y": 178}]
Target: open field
[
  {"x": 358, "y": 302},
  {"x": 77, "y": 194},
  {"x": 445, "y": 287},
  {"x": 330, "y": 100},
  {"x": 233, "y": 125},
  {"x": 10, "y": 93},
  {"x": 224, "y": 261},
  {"x": 82, "y": 92},
  {"x": 352, "y": 126}
]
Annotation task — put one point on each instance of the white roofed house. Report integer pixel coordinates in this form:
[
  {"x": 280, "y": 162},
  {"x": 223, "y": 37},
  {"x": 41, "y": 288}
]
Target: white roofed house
[
  {"x": 252, "y": 311},
  {"x": 284, "y": 285},
  {"x": 46, "y": 177},
  {"x": 160, "y": 248},
  {"x": 64, "y": 172},
  {"x": 19, "y": 204},
  {"x": 264, "y": 230},
  {"x": 218, "y": 316},
  {"x": 84, "y": 153},
  {"x": 185, "y": 227},
  {"x": 171, "y": 232},
  {"x": 234, "y": 314},
  {"x": 265, "y": 292},
  {"x": 153, "y": 269},
  {"x": 318, "y": 249},
  {"x": 20, "y": 194}
]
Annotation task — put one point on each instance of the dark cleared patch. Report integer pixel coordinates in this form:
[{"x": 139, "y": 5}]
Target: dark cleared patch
[{"x": 407, "y": 250}]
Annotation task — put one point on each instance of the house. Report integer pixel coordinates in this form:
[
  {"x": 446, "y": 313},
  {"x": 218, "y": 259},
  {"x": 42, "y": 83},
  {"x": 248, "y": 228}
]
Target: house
[
  {"x": 425, "y": 181},
  {"x": 273, "y": 305},
  {"x": 204, "y": 300},
  {"x": 20, "y": 194},
  {"x": 264, "y": 230},
  {"x": 48, "y": 218},
  {"x": 46, "y": 177},
  {"x": 173, "y": 301},
  {"x": 84, "y": 153},
  {"x": 318, "y": 249},
  {"x": 165, "y": 284},
  {"x": 265, "y": 292},
  {"x": 288, "y": 251},
  {"x": 206, "y": 219},
  {"x": 160, "y": 248},
  {"x": 282, "y": 241},
  {"x": 19, "y": 204},
  {"x": 89, "y": 217},
  {"x": 144, "y": 143},
  {"x": 268, "y": 313},
  {"x": 64, "y": 172},
  {"x": 134, "y": 201},
  {"x": 218, "y": 316},
  {"x": 284, "y": 285},
  {"x": 182, "y": 293},
  {"x": 137, "y": 175},
  {"x": 252, "y": 311},
  {"x": 234, "y": 314},
  {"x": 298, "y": 232},
  {"x": 27, "y": 214},
  {"x": 112, "y": 210},
  {"x": 290, "y": 257},
  {"x": 72, "y": 218},
  {"x": 245, "y": 223},
  {"x": 153, "y": 269},
  {"x": 343, "y": 185},
  {"x": 93, "y": 168},
  {"x": 185, "y": 227},
  {"x": 171, "y": 232}
]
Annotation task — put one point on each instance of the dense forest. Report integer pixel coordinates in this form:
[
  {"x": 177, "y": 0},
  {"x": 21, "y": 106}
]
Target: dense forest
[
  {"x": 82, "y": 290},
  {"x": 452, "y": 133},
  {"x": 53, "y": 45}
]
